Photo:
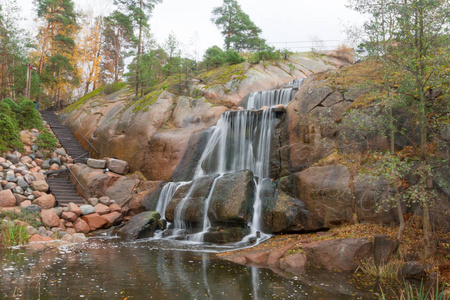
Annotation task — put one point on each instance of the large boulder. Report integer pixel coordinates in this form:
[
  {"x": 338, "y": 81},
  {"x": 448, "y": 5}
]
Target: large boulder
[
  {"x": 287, "y": 214},
  {"x": 118, "y": 166},
  {"x": 232, "y": 199},
  {"x": 45, "y": 201},
  {"x": 81, "y": 226},
  {"x": 49, "y": 218},
  {"x": 122, "y": 190},
  {"x": 189, "y": 200},
  {"x": 39, "y": 185},
  {"x": 327, "y": 193},
  {"x": 90, "y": 183},
  {"x": 141, "y": 226},
  {"x": 112, "y": 219},
  {"x": 94, "y": 221},
  {"x": 339, "y": 254},
  {"x": 7, "y": 199}
]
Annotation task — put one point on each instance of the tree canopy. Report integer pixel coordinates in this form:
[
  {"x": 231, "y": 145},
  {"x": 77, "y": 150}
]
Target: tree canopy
[{"x": 239, "y": 32}]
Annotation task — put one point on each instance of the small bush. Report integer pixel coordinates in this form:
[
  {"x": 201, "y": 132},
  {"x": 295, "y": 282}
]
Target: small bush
[
  {"x": 46, "y": 140},
  {"x": 343, "y": 52}
]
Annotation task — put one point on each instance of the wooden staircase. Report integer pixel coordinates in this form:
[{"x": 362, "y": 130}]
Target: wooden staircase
[{"x": 59, "y": 181}]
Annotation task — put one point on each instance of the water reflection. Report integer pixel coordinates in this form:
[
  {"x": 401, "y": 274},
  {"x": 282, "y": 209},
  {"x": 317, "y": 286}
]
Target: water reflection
[{"x": 111, "y": 269}]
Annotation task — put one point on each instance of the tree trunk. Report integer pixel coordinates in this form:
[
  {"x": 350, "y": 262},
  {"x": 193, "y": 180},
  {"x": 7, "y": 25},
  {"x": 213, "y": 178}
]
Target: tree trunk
[{"x": 139, "y": 53}]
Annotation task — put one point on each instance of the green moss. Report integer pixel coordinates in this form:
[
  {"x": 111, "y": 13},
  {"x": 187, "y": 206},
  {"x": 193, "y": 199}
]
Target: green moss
[
  {"x": 112, "y": 88},
  {"x": 225, "y": 74},
  {"x": 145, "y": 102},
  {"x": 83, "y": 100}
]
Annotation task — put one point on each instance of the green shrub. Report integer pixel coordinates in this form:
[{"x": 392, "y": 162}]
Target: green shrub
[
  {"x": 27, "y": 116},
  {"x": 46, "y": 140},
  {"x": 9, "y": 130},
  {"x": 233, "y": 58}
]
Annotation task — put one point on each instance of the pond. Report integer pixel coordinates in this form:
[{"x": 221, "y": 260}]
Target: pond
[{"x": 108, "y": 268}]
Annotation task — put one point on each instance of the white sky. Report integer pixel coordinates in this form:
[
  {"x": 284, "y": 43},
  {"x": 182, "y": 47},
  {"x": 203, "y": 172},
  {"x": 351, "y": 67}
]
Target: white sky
[{"x": 283, "y": 21}]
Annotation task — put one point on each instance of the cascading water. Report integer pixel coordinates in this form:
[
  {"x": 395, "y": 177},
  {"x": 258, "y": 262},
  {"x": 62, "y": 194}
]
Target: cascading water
[
  {"x": 270, "y": 98},
  {"x": 241, "y": 140},
  {"x": 166, "y": 195}
]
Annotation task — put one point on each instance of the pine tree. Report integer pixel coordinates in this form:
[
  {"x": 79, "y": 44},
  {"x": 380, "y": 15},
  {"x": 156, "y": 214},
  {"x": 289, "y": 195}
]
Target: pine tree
[
  {"x": 138, "y": 11},
  {"x": 57, "y": 63},
  {"x": 239, "y": 31},
  {"x": 117, "y": 38}
]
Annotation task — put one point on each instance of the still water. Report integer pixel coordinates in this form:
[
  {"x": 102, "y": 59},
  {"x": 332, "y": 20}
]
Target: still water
[{"x": 105, "y": 268}]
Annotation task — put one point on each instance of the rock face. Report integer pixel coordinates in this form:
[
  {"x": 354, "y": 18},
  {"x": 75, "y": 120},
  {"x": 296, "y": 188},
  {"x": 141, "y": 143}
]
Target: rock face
[
  {"x": 327, "y": 193},
  {"x": 156, "y": 147},
  {"x": 141, "y": 226},
  {"x": 339, "y": 254}
]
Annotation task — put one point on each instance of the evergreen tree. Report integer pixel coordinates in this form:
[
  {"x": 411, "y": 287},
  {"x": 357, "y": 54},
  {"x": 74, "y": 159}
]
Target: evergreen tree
[
  {"x": 118, "y": 37},
  {"x": 239, "y": 31},
  {"x": 13, "y": 50},
  {"x": 57, "y": 63},
  {"x": 138, "y": 11}
]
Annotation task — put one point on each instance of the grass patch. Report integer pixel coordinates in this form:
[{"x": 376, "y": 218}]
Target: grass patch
[
  {"x": 13, "y": 234},
  {"x": 83, "y": 100},
  {"x": 145, "y": 102},
  {"x": 225, "y": 74},
  {"x": 22, "y": 216}
]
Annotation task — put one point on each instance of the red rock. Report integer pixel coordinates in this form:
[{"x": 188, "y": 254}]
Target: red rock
[
  {"x": 101, "y": 209},
  {"x": 62, "y": 224},
  {"x": 39, "y": 185},
  {"x": 69, "y": 216},
  {"x": 46, "y": 201},
  {"x": 1, "y": 169},
  {"x": 54, "y": 167},
  {"x": 7, "y": 199},
  {"x": 26, "y": 159},
  {"x": 38, "y": 176},
  {"x": 36, "y": 194},
  {"x": 75, "y": 209},
  {"x": 339, "y": 254},
  {"x": 25, "y": 203},
  {"x": 38, "y": 161},
  {"x": 81, "y": 226},
  {"x": 69, "y": 224},
  {"x": 71, "y": 230},
  {"x": 95, "y": 221},
  {"x": 112, "y": 219},
  {"x": 49, "y": 218},
  {"x": 40, "y": 238},
  {"x": 115, "y": 207},
  {"x": 295, "y": 263}
]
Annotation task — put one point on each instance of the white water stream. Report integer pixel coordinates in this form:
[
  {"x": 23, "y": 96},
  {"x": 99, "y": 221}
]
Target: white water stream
[{"x": 241, "y": 140}]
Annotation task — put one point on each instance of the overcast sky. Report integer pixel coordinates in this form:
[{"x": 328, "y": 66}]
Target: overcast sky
[{"x": 283, "y": 22}]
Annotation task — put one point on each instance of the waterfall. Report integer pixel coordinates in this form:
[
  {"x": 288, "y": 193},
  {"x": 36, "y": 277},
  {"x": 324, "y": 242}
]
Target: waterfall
[
  {"x": 166, "y": 195},
  {"x": 270, "y": 98},
  {"x": 241, "y": 140}
]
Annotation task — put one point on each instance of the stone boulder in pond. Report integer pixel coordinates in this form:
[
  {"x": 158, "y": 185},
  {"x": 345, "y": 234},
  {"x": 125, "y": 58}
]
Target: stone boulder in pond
[{"x": 141, "y": 226}]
